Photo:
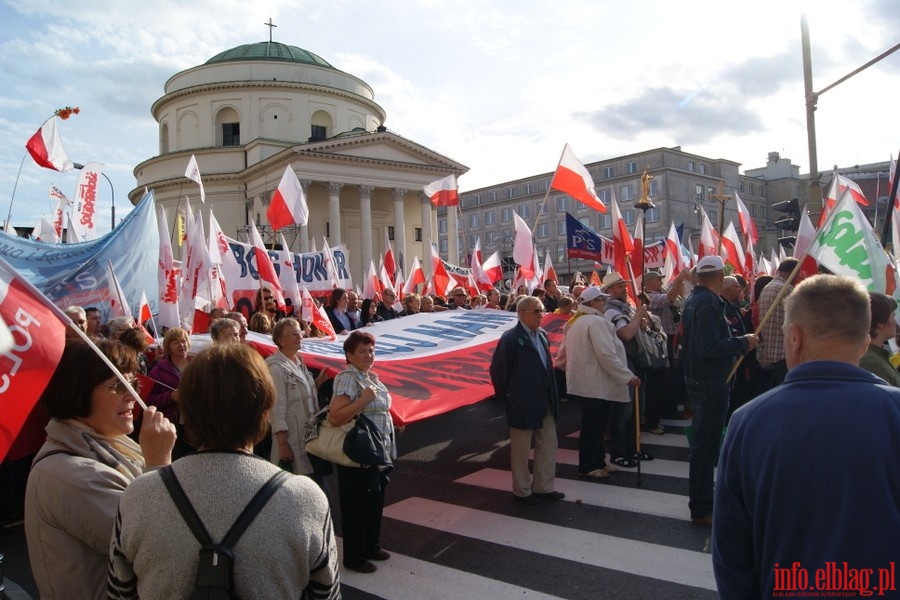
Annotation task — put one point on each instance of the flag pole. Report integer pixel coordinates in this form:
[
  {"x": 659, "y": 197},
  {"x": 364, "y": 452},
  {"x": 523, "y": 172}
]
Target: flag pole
[
  {"x": 58, "y": 312},
  {"x": 886, "y": 228},
  {"x": 637, "y": 429},
  {"x": 15, "y": 185}
]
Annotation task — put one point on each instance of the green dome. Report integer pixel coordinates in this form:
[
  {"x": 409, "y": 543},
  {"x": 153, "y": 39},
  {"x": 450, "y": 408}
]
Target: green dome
[{"x": 270, "y": 51}]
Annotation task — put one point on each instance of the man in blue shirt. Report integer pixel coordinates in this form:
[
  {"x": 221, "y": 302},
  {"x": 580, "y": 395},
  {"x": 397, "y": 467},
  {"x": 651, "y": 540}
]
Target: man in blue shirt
[
  {"x": 808, "y": 490},
  {"x": 709, "y": 354}
]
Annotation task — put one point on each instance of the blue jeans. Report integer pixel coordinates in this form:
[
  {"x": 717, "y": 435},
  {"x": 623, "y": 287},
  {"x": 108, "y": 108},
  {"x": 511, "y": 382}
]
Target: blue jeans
[{"x": 710, "y": 404}]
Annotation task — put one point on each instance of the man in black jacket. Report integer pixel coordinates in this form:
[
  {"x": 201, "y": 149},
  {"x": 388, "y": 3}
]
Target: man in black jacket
[{"x": 522, "y": 374}]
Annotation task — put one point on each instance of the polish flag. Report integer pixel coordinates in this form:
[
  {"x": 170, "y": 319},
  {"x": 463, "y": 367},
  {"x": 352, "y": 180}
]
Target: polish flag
[
  {"x": 709, "y": 238},
  {"x": 839, "y": 183},
  {"x": 46, "y": 148},
  {"x": 623, "y": 245},
  {"x": 574, "y": 179},
  {"x": 523, "y": 248},
  {"x": 288, "y": 277},
  {"x": 223, "y": 259},
  {"x": 288, "y": 205},
  {"x": 441, "y": 281},
  {"x": 193, "y": 173},
  {"x": 117, "y": 301},
  {"x": 372, "y": 286},
  {"x": 390, "y": 265},
  {"x": 748, "y": 227},
  {"x": 315, "y": 315},
  {"x": 329, "y": 265},
  {"x": 674, "y": 260},
  {"x": 167, "y": 275},
  {"x": 732, "y": 249},
  {"x": 443, "y": 192},
  {"x": 144, "y": 315},
  {"x": 267, "y": 274},
  {"x": 416, "y": 276},
  {"x": 638, "y": 241},
  {"x": 384, "y": 278},
  {"x": 492, "y": 268},
  {"x": 549, "y": 271},
  {"x": 476, "y": 251},
  {"x": 806, "y": 233}
]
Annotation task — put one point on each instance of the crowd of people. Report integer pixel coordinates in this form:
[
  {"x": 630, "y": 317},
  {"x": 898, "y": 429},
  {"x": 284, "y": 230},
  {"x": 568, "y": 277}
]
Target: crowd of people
[{"x": 227, "y": 420}]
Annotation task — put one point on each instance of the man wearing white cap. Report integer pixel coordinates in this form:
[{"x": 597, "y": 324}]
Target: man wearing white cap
[
  {"x": 627, "y": 320},
  {"x": 597, "y": 376},
  {"x": 709, "y": 354}
]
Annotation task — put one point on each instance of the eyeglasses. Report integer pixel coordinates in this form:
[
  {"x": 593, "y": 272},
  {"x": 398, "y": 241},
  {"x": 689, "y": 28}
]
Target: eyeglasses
[
  {"x": 268, "y": 298},
  {"x": 538, "y": 311},
  {"x": 118, "y": 388}
]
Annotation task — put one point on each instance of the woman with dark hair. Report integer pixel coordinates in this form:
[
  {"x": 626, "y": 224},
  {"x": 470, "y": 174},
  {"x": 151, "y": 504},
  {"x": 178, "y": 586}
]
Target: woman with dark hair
[
  {"x": 287, "y": 551},
  {"x": 337, "y": 311},
  {"x": 369, "y": 313},
  {"x": 88, "y": 460},
  {"x": 877, "y": 358},
  {"x": 361, "y": 489},
  {"x": 136, "y": 340}
]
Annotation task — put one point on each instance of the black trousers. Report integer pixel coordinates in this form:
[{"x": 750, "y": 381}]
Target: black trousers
[{"x": 361, "y": 493}]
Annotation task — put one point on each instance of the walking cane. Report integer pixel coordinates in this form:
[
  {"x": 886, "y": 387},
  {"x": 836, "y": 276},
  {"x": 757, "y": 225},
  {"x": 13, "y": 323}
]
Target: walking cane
[{"x": 637, "y": 429}]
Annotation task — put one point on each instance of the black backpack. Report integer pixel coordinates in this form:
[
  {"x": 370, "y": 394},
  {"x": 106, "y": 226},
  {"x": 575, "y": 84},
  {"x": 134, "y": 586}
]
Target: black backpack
[{"x": 215, "y": 573}]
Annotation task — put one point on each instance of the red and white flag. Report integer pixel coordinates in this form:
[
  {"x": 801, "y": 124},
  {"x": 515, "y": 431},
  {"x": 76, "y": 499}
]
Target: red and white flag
[
  {"x": 674, "y": 260},
  {"x": 638, "y": 241},
  {"x": 732, "y": 249},
  {"x": 748, "y": 227},
  {"x": 372, "y": 285},
  {"x": 330, "y": 266},
  {"x": 288, "y": 277},
  {"x": 523, "y": 248},
  {"x": 143, "y": 313},
  {"x": 390, "y": 265},
  {"x": 441, "y": 281},
  {"x": 288, "y": 205},
  {"x": 492, "y": 268},
  {"x": 37, "y": 333},
  {"x": 623, "y": 245},
  {"x": 443, "y": 192},
  {"x": 839, "y": 183},
  {"x": 549, "y": 271},
  {"x": 265, "y": 268},
  {"x": 574, "y": 179},
  {"x": 193, "y": 173},
  {"x": 59, "y": 213},
  {"x": 46, "y": 148},
  {"x": 167, "y": 275},
  {"x": 806, "y": 233},
  {"x": 709, "y": 237},
  {"x": 118, "y": 303},
  {"x": 222, "y": 256},
  {"x": 315, "y": 315},
  {"x": 416, "y": 276},
  {"x": 85, "y": 203}
]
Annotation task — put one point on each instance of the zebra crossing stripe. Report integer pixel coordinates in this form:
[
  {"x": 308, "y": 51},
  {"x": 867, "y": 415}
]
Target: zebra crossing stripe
[
  {"x": 607, "y": 496},
  {"x": 406, "y": 578},
  {"x": 673, "y": 440},
  {"x": 667, "y": 468},
  {"x": 628, "y": 556}
]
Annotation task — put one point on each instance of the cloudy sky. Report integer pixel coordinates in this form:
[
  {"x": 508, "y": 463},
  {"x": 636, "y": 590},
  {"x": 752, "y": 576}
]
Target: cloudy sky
[{"x": 499, "y": 86}]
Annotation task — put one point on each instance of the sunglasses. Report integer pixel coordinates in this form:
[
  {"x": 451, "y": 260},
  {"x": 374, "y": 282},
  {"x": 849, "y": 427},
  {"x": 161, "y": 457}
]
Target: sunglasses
[{"x": 118, "y": 388}]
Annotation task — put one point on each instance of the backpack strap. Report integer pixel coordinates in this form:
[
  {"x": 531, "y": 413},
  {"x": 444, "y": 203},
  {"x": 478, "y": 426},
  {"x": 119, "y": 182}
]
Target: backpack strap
[{"x": 243, "y": 521}]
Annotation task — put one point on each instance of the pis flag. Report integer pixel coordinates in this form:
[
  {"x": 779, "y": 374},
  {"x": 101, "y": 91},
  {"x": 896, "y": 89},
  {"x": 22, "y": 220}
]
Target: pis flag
[{"x": 35, "y": 338}]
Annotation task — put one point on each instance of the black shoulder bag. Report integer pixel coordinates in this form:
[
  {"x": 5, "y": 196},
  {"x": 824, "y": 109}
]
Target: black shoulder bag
[{"x": 215, "y": 573}]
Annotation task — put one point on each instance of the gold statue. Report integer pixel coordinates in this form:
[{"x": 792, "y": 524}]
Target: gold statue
[{"x": 646, "y": 178}]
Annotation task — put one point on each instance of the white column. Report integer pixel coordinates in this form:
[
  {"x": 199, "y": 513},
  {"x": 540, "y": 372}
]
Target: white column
[
  {"x": 365, "y": 224},
  {"x": 452, "y": 236},
  {"x": 427, "y": 234},
  {"x": 304, "y": 229},
  {"x": 334, "y": 212},
  {"x": 400, "y": 230}
]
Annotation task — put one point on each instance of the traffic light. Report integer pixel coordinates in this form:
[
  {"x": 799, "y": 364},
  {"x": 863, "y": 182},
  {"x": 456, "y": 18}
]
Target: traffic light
[{"x": 791, "y": 210}]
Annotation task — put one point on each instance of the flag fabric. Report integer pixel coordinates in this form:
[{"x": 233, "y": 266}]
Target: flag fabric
[
  {"x": 315, "y": 315},
  {"x": 895, "y": 214},
  {"x": 574, "y": 179},
  {"x": 492, "y": 268},
  {"x": 390, "y": 265},
  {"x": 523, "y": 247},
  {"x": 45, "y": 232},
  {"x": 330, "y": 266},
  {"x": 167, "y": 276},
  {"x": 288, "y": 276},
  {"x": 623, "y": 245},
  {"x": 62, "y": 205},
  {"x": 46, "y": 148},
  {"x": 674, "y": 261},
  {"x": 441, "y": 281},
  {"x": 748, "y": 227},
  {"x": 85, "y": 203},
  {"x": 476, "y": 251},
  {"x": 416, "y": 276},
  {"x": 265, "y": 268},
  {"x": 732, "y": 249},
  {"x": 549, "y": 271},
  {"x": 119, "y": 306},
  {"x": 709, "y": 237},
  {"x": 805, "y": 233},
  {"x": 192, "y": 266},
  {"x": 288, "y": 205},
  {"x": 443, "y": 192},
  {"x": 839, "y": 183},
  {"x": 193, "y": 173},
  {"x": 143, "y": 313},
  {"x": 372, "y": 285},
  {"x": 847, "y": 245},
  {"x": 220, "y": 254},
  {"x": 636, "y": 265}
]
